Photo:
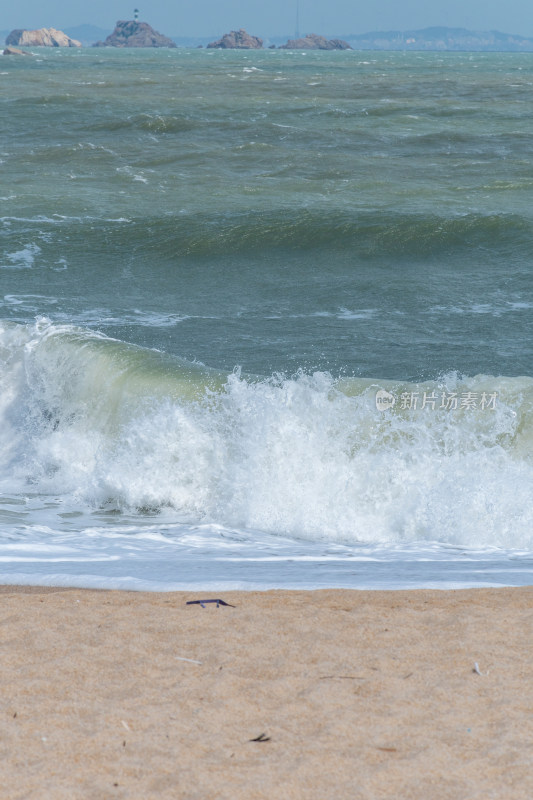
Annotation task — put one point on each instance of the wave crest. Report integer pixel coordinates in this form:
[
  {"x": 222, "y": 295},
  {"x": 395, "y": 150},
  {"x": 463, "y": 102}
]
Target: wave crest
[{"x": 121, "y": 427}]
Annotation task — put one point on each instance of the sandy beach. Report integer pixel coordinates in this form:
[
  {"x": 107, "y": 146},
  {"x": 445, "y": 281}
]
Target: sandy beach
[{"x": 328, "y": 694}]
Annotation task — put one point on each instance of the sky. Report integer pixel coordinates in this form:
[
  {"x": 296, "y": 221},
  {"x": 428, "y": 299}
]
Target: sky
[{"x": 274, "y": 17}]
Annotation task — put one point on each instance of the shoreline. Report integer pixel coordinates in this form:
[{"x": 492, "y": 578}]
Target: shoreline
[
  {"x": 30, "y": 588},
  {"x": 317, "y": 694}
]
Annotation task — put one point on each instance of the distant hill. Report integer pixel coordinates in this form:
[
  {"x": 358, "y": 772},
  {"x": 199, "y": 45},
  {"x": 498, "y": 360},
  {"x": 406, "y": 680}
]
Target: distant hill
[{"x": 441, "y": 39}]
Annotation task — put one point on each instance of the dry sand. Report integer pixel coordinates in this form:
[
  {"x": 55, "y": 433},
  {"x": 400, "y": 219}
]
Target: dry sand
[{"x": 357, "y": 695}]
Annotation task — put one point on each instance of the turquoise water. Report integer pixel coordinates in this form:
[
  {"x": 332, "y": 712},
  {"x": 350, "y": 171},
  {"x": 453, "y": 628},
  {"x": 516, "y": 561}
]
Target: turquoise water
[{"x": 210, "y": 263}]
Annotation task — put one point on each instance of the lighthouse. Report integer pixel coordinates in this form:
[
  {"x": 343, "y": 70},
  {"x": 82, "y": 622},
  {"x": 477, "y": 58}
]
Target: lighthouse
[{"x": 136, "y": 14}]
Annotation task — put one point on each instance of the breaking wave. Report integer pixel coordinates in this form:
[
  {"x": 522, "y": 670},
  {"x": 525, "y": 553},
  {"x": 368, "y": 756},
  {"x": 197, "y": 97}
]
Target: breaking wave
[{"x": 115, "y": 426}]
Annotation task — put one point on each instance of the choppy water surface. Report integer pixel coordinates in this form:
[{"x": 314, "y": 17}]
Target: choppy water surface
[{"x": 210, "y": 263}]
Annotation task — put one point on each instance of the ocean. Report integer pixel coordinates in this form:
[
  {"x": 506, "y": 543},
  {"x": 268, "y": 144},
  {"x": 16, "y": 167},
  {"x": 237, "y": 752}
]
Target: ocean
[{"x": 266, "y": 319}]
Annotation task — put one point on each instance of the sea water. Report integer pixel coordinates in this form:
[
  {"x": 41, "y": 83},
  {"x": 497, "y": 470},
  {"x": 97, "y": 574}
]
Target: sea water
[{"x": 266, "y": 319}]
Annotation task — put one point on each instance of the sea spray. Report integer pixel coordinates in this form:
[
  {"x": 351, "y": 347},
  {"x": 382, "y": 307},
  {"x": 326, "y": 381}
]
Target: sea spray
[{"x": 101, "y": 423}]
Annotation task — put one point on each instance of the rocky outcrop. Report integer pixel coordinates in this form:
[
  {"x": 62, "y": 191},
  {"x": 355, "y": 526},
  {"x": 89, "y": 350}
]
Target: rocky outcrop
[
  {"x": 314, "y": 42},
  {"x": 238, "y": 40},
  {"x": 44, "y": 37},
  {"x": 340, "y": 44},
  {"x": 14, "y": 51},
  {"x": 131, "y": 33}
]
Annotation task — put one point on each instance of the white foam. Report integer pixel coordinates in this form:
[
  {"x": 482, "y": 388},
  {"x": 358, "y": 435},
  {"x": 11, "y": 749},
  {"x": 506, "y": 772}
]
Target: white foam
[
  {"x": 28, "y": 300},
  {"x": 170, "y": 557},
  {"x": 88, "y": 419},
  {"x": 22, "y": 259},
  {"x": 129, "y": 171}
]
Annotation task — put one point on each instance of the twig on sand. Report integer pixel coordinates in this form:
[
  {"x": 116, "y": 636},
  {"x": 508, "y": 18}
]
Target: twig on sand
[
  {"x": 218, "y": 601},
  {"x": 190, "y": 660}
]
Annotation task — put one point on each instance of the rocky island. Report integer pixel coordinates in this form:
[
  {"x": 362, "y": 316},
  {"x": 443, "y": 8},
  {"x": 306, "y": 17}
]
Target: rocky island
[
  {"x": 14, "y": 51},
  {"x": 314, "y": 42},
  {"x": 238, "y": 40},
  {"x": 44, "y": 37},
  {"x": 132, "y": 33}
]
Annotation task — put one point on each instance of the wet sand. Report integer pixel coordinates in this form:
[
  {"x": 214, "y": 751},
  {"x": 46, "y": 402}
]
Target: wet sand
[{"x": 419, "y": 695}]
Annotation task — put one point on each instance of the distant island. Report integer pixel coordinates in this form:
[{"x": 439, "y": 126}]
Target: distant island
[
  {"x": 237, "y": 40},
  {"x": 132, "y": 33},
  {"x": 44, "y": 37},
  {"x": 314, "y": 42},
  {"x": 241, "y": 40}
]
